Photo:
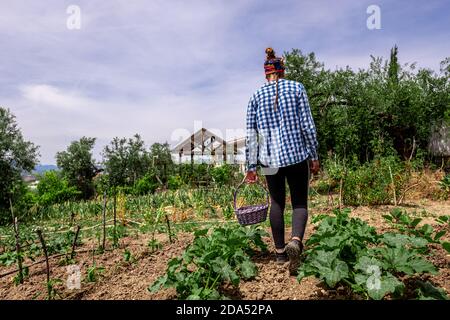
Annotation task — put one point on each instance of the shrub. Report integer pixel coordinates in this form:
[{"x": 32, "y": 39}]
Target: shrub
[
  {"x": 53, "y": 188},
  {"x": 445, "y": 185},
  {"x": 174, "y": 182},
  {"x": 371, "y": 183},
  {"x": 333, "y": 172},
  {"x": 194, "y": 173},
  {"x": 223, "y": 174},
  {"x": 147, "y": 184}
]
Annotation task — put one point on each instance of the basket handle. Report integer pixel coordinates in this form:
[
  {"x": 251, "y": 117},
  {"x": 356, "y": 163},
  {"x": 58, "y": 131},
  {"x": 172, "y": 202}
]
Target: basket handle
[{"x": 243, "y": 183}]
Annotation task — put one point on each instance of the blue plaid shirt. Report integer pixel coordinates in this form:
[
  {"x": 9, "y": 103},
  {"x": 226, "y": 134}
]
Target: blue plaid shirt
[{"x": 281, "y": 137}]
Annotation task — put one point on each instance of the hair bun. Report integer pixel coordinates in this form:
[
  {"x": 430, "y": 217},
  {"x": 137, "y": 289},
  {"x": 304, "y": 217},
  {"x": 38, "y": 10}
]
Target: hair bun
[{"x": 270, "y": 53}]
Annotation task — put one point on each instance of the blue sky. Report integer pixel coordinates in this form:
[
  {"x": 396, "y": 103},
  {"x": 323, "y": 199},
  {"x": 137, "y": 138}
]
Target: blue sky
[{"x": 155, "y": 67}]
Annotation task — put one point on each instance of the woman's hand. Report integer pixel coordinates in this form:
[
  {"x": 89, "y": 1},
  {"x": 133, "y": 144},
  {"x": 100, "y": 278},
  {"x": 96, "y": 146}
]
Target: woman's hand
[
  {"x": 251, "y": 177},
  {"x": 314, "y": 166}
]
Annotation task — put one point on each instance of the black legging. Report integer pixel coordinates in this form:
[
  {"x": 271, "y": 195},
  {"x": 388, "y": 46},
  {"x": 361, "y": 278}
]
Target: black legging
[{"x": 297, "y": 176}]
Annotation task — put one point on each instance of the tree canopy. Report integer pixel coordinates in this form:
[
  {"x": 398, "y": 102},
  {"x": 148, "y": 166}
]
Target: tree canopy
[
  {"x": 78, "y": 165},
  {"x": 386, "y": 109},
  {"x": 126, "y": 160},
  {"x": 16, "y": 156}
]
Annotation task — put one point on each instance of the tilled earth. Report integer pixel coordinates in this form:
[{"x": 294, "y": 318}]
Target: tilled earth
[{"x": 130, "y": 280}]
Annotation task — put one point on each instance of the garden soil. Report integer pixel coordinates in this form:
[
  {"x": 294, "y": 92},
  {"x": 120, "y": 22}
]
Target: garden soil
[{"x": 130, "y": 280}]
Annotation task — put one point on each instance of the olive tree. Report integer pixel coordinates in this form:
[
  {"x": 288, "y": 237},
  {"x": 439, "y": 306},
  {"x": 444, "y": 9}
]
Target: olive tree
[{"x": 16, "y": 156}]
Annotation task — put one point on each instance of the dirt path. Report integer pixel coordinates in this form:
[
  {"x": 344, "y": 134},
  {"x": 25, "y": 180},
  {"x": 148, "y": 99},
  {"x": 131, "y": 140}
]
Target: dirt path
[{"x": 130, "y": 280}]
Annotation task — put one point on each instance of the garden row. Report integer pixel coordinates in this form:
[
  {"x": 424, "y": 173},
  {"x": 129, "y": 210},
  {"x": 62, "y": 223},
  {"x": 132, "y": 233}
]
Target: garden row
[{"x": 343, "y": 251}]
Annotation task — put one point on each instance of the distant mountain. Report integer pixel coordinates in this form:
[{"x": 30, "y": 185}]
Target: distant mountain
[{"x": 41, "y": 168}]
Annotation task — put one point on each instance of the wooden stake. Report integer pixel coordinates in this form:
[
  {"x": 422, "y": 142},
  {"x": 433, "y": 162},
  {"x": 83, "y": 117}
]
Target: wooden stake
[
  {"x": 44, "y": 247},
  {"x": 74, "y": 244},
  {"x": 72, "y": 218},
  {"x": 104, "y": 221},
  {"x": 340, "y": 193},
  {"x": 17, "y": 237},
  {"x": 18, "y": 250},
  {"x": 115, "y": 216},
  {"x": 168, "y": 228}
]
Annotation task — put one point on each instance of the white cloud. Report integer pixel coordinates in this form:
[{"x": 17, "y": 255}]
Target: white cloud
[
  {"x": 151, "y": 67},
  {"x": 43, "y": 95}
]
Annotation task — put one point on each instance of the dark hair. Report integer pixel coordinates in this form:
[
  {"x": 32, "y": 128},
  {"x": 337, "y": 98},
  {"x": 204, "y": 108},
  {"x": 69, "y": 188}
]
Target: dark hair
[
  {"x": 274, "y": 65},
  {"x": 270, "y": 54}
]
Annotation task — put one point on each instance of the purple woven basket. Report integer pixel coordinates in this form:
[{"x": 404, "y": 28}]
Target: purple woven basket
[{"x": 251, "y": 214}]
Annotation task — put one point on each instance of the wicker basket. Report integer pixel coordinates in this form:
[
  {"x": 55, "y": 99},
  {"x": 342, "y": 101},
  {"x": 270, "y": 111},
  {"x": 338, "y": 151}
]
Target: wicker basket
[{"x": 251, "y": 214}]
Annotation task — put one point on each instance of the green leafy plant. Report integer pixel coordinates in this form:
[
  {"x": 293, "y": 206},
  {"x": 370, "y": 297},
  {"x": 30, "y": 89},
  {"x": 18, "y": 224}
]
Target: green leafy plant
[
  {"x": 62, "y": 242},
  {"x": 52, "y": 292},
  {"x": 174, "y": 182},
  {"x": 347, "y": 251},
  {"x": 154, "y": 245},
  {"x": 375, "y": 182},
  {"x": 222, "y": 175},
  {"x": 445, "y": 185},
  {"x": 94, "y": 272},
  {"x": 217, "y": 256},
  {"x": 402, "y": 221},
  {"x": 8, "y": 258},
  {"x": 147, "y": 184},
  {"x": 115, "y": 235},
  {"x": 128, "y": 256},
  {"x": 18, "y": 279},
  {"x": 427, "y": 291},
  {"x": 53, "y": 188}
]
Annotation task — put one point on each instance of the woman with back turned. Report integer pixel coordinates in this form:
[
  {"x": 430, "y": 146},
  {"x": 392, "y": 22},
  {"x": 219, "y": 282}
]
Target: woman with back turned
[{"x": 281, "y": 138}]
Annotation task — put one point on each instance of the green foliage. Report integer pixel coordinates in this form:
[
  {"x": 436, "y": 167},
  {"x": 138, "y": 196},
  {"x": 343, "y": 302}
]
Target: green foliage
[
  {"x": 174, "y": 182},
  {"x": 126, "y": 161},
  {"x": 78, "y": 166},
  {"x": 445, "y": 185},
  {"x": 129, "y": 166},
  {"x": 128, "y": 256},
  {"x": 8, "y": 258},
  {"x": 147, "y": 184},
  {"x": 154, "y": 245},
  {"x": 24, "y": 202},
  {"x": 16, "y": 155},
  {"x": 205, "y": 174},
  {"x": 410, "y": 226},
  {"x": 52, "y": 293},
  {"x": 222, "y": 175},
  {"x": 365, "y": 184},
  {"x": 198, "y": 174},
  {"x": 446, "y": 246},
  {"x": 162, "y": 163},
  {"x": 101, "y": 185},
  {"x": 53, "y": 188},
  {"x": 93, "y": 273},
  {"x": 61, "y": 242},
  {"x": 347, "y": 251},
  {"x": 426, "y": 291},
  {"x": 214, "y": 258},
  {"x": 371, "y": 183},
  {"x": 18, "y": 278},
  {"x": 444, "y": 220}
]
